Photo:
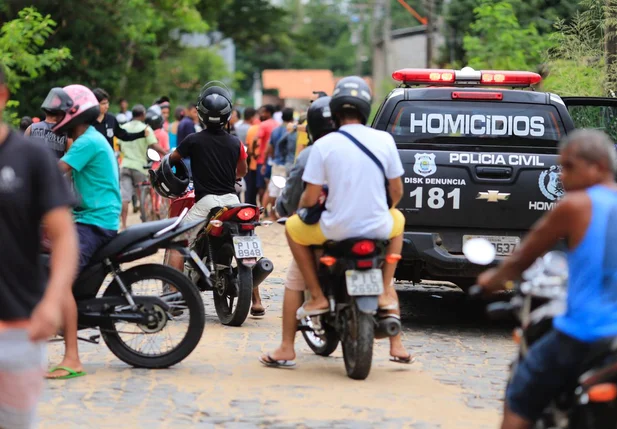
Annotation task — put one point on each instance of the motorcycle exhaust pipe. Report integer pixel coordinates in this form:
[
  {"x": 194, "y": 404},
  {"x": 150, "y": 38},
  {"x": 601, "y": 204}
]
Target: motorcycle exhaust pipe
[
  {"x": 389, "y": 326},
  {"x": 262, "y": 269}
]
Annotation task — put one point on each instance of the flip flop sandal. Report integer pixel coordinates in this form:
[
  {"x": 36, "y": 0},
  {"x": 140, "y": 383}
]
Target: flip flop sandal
[
  {"x": 408, "y": 360},
  {"x": 269, "y": 361},
  {"x": 303, "y": 313},
  {"x": 258, "y": 313},
  {"x": 71, "y": 373}
]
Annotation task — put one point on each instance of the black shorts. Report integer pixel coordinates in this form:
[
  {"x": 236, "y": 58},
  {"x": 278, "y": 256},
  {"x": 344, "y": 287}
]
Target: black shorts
[
  {"x": 91, "y": 238},
  {"x": 552, "y": 365}
]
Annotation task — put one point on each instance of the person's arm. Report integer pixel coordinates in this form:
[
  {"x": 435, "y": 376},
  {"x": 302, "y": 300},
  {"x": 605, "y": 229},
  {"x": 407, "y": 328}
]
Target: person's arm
[
  {"x": 315, "y": 177},
  {"x": 28, "y": 130},
  {"x": 395, "y": 186},
  {"x": 182, "y": 151},
  {"x": 123, "y": 134},
  {"x": 77, "y": 157},
  {"x": 544, "y": 234},
  {"x": 54, "y": 200},
  {"x": 242, "y": 166},
  {"x": 46, "y": 318},
  {"x": 310, "y": 196},
  {"x": 394, "y": 171},
  {"x": 288, "y": 203}
]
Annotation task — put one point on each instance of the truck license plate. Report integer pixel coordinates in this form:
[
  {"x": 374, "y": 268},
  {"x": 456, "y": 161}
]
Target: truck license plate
[
  {"x": 364, "y": 283},
  {"x": 504, "y": 245},
  {"x": 248, "y": 247}
]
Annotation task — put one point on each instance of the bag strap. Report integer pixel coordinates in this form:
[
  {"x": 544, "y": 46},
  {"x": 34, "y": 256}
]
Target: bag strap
[{"x": 366, "y": 151}]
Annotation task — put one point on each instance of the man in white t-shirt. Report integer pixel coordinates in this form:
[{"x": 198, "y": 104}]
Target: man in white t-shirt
[{"x": 357, "y": 201}]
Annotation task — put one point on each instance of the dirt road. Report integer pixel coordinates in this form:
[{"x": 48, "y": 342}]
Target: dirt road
[{"x": 457, "y": 381}]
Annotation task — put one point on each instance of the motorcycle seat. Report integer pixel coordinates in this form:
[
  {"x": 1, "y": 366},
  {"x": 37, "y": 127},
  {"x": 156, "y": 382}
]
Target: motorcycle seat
[
  {"x": 129, "y": 236},
  {"x": 602, "y": 360}
]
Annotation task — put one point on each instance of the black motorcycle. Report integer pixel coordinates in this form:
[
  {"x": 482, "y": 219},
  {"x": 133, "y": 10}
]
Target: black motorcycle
[
  {"x": 139, "y": 325},
  {"x": 536, "y": 300},
  {"x": 350, "y": 276},
  {"x": 234, "y": 255}
]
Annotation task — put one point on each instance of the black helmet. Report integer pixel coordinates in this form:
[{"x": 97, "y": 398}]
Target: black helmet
[
  {"x": 214, "y": 105},
  {"x": 319, "y": 119},
  {"x": 154, "y": 117},
  {"x": 168, "y": 184},
  {"x": 352, "y": 93}
]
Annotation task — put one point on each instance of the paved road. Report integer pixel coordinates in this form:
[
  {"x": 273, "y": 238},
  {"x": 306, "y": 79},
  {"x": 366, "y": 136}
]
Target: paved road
[{"x": 457, "y": 381}]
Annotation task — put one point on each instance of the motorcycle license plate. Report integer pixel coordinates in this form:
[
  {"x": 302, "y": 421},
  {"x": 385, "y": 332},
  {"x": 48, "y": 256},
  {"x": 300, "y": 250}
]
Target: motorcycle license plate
[
  {"x": 248, "y": 247},
  {"x": 364, "y": 283}
]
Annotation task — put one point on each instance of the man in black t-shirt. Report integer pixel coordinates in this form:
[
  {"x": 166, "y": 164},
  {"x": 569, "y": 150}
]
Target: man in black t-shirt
[
  {"x": 108, "y": 125},
  {"x": 32, "y": 192},
  {"x": 218, "y": 159}
]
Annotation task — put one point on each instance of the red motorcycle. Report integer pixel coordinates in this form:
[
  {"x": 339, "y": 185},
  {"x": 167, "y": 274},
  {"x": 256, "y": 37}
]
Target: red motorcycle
[{"x": 232, "y": 251}]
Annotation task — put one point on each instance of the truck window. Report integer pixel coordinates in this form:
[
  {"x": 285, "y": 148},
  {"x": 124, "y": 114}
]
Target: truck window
[
  {"x": 599, "y": 117},
  {"x": 478, "y": 123}
]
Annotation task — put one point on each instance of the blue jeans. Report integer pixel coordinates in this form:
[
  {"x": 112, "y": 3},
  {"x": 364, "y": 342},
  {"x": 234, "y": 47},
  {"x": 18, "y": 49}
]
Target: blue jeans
[
  {"x": 552, "y": 365},
  {"x": 91, "y": 238}
]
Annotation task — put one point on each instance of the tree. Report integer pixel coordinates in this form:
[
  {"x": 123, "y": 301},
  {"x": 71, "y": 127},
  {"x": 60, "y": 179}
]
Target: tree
[
  {"x": 459, "y": 15},
  {"x": 115, "y": 44},
  {"x": 24, "y": 58},
  {"x": 497, "y": 40}
]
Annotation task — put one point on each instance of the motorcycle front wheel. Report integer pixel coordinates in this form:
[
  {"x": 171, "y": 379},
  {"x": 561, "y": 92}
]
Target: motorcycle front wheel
[
  {"x": 153, "y": 346},
  {"x": 357, "y": 341},
  {"x": 238, "y": 289}
]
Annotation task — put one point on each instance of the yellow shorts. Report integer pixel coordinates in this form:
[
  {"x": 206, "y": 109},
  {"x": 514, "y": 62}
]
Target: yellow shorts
[{"x": 312, "y": 235}]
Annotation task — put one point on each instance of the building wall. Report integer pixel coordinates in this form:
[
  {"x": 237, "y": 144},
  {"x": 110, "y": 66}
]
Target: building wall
[{"x": 407, "y": 50}]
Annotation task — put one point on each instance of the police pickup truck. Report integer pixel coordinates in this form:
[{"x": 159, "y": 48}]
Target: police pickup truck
[{"x": 480, "y": 155}]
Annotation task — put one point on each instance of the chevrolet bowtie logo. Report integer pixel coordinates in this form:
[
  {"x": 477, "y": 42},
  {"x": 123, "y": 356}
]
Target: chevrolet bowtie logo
[{"x": 492, "y": 196}]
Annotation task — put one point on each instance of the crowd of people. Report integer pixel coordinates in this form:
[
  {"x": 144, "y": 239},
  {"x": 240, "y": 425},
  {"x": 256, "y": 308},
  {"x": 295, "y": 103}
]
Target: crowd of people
[{"x": 76, "y": 138}]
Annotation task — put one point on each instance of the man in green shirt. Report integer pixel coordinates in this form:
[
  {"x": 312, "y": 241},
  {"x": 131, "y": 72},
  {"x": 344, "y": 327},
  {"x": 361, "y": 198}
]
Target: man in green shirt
[{"x": 134, "y": 158}]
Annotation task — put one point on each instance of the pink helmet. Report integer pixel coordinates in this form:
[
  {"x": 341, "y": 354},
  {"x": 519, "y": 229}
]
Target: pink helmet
[{"x": 78, "y": 104}]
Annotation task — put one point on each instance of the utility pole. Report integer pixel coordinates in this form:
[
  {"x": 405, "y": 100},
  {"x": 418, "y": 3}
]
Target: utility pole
[
  {"x": 430, "y": 24},
  {"x": 387, "y": 34},
  {"x": 610, "y": 44}
]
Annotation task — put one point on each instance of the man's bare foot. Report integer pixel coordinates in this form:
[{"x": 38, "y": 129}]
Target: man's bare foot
[
  {"x": 75, "y": 365},
  {"x": 281, "y": 354},
  {"x": 398, "y": 351},
  {"x": 257, "y": 309},
  {"x": 316, "y": 304}
]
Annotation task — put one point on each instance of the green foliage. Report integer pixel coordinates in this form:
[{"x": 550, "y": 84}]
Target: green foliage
[
  {"x": 497, "y": 40},
  {"x": 21, "y": 47},
  {"x": 459, "y": 16}
]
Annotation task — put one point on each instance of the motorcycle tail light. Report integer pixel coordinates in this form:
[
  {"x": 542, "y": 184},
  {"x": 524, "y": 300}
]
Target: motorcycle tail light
[
  {"x": 393, "y": 258},
  {"x": 328, "y": 261},
  {"x": 605, "y": 392},
  {"x": 247, "y": 227},
  {"x": 365, "y": 263},
  {"x": 246, "y": 213},
  {"x": 364, "y": 247}
]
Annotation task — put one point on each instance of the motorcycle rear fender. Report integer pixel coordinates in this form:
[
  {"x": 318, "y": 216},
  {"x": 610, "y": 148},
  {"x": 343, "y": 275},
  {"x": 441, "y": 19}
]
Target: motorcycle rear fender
[{"x": 367, "y": 304}]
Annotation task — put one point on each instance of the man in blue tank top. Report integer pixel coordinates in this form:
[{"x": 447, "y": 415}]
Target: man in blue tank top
[{"x": 585, "y": 218}]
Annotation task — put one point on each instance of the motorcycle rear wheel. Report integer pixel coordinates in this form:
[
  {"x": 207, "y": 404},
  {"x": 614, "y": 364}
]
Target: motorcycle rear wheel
[
  {"x": 191, "y": 300},
  {"x": 223, "y": 302},
  {"x": 322, "y": 345},
  {"x": 357, "y": 341}
]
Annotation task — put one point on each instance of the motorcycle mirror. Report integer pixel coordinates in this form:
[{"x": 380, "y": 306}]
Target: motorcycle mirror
[
  {"x": 153, "y": 155},
  {"x": 279, "y": 181},
  {"x": 479, "y": 251}
]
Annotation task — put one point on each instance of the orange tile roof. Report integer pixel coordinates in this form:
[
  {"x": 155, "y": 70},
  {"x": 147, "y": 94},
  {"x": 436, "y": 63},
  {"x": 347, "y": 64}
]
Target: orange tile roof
[{"x": 298, "y": 83}]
